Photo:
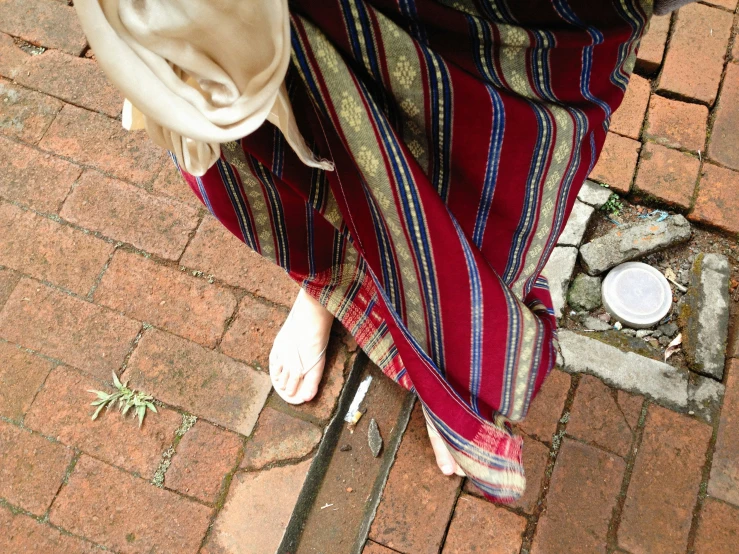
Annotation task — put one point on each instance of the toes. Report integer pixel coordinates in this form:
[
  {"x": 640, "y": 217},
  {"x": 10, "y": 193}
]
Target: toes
[
  {"x": 311, "y": 380},
  {"x": 444, "y": 459}
]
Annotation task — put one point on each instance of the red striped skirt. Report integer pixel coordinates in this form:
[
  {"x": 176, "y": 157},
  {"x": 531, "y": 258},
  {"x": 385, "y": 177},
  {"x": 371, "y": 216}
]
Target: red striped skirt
[{"x": 461, "y": 132}]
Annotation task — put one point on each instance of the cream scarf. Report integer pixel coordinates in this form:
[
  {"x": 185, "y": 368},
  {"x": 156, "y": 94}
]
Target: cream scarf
[{"x": 197, "y": 73}]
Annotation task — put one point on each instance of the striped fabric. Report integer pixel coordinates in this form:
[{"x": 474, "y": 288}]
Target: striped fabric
[{"x": 461, "y": 131}]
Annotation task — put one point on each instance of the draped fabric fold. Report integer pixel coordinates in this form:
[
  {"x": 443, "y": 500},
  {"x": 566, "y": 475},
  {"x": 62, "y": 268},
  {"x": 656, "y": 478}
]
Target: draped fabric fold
[{"x": 459, "y": 132}]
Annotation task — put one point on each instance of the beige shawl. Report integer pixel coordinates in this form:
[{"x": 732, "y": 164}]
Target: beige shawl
[{"x": 197, "y": 73}]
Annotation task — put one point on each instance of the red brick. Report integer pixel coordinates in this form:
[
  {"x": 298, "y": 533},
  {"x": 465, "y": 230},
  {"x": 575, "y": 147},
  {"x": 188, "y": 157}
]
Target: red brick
[
  {"x": 62, "y": 410},
  {"x": 735, "y": 51},
  {"x": 676, "y": 124},
  {"x": 76, "y": 332},
  {"x": 252, "y": 333},
  {"x": 535, "y": 461},
  {"x": 170, "y": 183},
  {"x": 722, "y": 147},
  {"x": 480, "y": 526},
  {"x": 35, "y": 179},
  {"x": 49, "y": 250},
  {"x": 127, "y": 514},
  {"x": 727, "y": 4},
  {"x": 207, "y": 383},
  {"x": 127, "y": 213},
  {"x": 78, "y": 81},
  {"x": 418, "y": 499},
  {"x": 580, "y": 502},
  {"x": 604, "y": 417},
  {"x": 724, "y": 481},
  {"x": 279, "y": 437},
  {"x": 628, "y": 118},
  {"x": 652, "y": 45},
  {"x": 96, "y": 140},
  {"x": 31, "y": 468},
  {"x": 322, "y": 406},
  {"x": 374, "y": 548},
  {"x": 617, "y": 163},
  {"x": 214, "y": 250},
  {"x": 10, "y": 55},
  {"x": 546, "y": 408},
  {"x": 667, "y": 175},
  {"x": 44, "y": 23},
  {"x": 717, "y": 203},
  {"x": 26, "y": 113},
  {"x": 205, "y": 455},
  {"x": 257, "y": 510},
  {"x": 719, "y": 528},
  {"x": 23, "y": 534},
  {"x": 664, "y": 484},
  {"x": 8, "y": 281},
  {"x": 166, "y": 297},
  {"x": 21, "y": 375},
  {"x": 695, "y": 58}
]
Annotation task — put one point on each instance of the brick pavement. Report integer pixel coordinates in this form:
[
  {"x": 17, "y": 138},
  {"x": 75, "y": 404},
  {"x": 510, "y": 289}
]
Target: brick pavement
[
  {"x": 91, "y": 282},
  {"x": 108, "y": 263}
]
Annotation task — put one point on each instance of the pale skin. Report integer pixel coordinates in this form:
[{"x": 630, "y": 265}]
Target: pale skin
[{"x": 297, "y": 360}]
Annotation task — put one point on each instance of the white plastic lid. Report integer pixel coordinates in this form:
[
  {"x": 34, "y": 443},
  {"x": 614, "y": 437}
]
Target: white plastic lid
[{"x": 636, "y": 294}]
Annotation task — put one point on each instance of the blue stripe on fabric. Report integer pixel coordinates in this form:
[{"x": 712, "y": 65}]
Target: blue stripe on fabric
[
  {"x": 239, "y": 203},
  {"x": 277, "y": 214}
]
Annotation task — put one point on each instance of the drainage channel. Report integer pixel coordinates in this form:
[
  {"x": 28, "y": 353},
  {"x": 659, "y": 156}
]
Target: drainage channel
[{"x": 344, "y": 484}]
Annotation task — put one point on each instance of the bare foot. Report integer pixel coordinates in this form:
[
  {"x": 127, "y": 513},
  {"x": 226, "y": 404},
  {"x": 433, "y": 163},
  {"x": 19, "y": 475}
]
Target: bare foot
[
  {"x": 299, "y": 352},
  {"x": 447, "y": 464}
]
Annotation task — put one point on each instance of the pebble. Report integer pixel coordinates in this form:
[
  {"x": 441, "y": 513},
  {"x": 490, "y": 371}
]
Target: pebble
[
  {"x": 346, "y": 448},
  {"x": 373, "y": 438},
  {"x": 664, "y": 340},
  {"x": 641, "y": 333},
  {"x": 668, "y": 329}
]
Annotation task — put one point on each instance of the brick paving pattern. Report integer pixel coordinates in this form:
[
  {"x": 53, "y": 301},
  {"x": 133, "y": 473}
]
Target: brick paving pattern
[{"x": 109, "y": 264}]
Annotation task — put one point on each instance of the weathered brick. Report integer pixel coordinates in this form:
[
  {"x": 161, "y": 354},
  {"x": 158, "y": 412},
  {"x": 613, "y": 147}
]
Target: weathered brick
[
  {"x": 127, "y": 514},
  {"x": 617, "y": 163},
  {"x": 722, "y": 147},
  {"x": 628, "y": 118},
  {"x": 480, "y": 526},
  {"x": 200, "y": 381},
  {"x": 695, "y": 58},
  {"x": 374, "y": 548},
  {"x": 26, "y": 114},
  {"x": 127, "y": 213},
  {"x": 717, "y": 203},
  {"x": 418, "y": 499},
  {"x": 166, "y": 297},
  {"x": 33, "y": 178},
  {"x": 170, "y": 183},
  {"x": 580, "y": 501},
  {"x": 535, "y": 461},
  {"x": 322, "y": 406},
  {"x": 76, "y": 332},
  {"x": 652, "y": 45},
  {"x": 8, "y": 281},
  {"x": 10, "y": 55},
  {"x": 31, "y": 468},
  {"x": 279, "y": 437},
  {"x": 546, "y": 408},
  {"x": 727, "y": 4},
  {"x": 62, "y": 410},
  {"x": 252, "y": 333},
  {"x": 667, "y": 175},
  {"x": 604, "y": 417},
  {"x": 718, "y": 531},
  {"x": 205, "y": 455},
  {"x": 96, "y": 140},
  {"x": 676, "y": 124},
  {"x": 21, "y": 375},
  {"x": 22, "y": 534},
  {"x": 257, "y": 510},
  {"x": 49, "y": 24},
  {"x": 49, "y": 250},
  {"x": 724, "y": 481},
  {"x": 664, "y": 484},
  {"x": 215, "y": 251},
  {"x": 75, "y": 80}
]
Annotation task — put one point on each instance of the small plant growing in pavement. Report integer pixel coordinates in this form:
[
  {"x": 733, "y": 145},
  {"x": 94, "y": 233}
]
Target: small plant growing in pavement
[
  {"x": 127, "y": 400},
  {"x": 613, "y": 205}
]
